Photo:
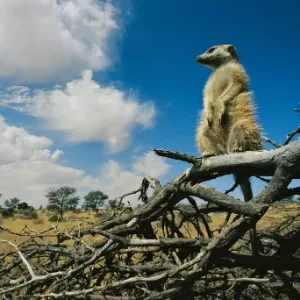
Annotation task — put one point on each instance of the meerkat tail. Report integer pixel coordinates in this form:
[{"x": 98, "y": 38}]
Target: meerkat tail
[
  {"x": 245, "y": 185},
  {"x": 246, "y": 188}
]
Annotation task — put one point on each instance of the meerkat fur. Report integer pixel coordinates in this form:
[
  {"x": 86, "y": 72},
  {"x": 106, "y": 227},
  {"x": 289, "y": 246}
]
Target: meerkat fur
[{"x": 228, "y": 122}]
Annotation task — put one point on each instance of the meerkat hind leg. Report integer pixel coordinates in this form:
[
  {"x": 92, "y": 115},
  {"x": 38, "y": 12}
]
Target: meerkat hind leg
[
  {"x": 237, "y": 141},
  {"x": 208, "y": 142},
  {"x": 243, "y": 136}
]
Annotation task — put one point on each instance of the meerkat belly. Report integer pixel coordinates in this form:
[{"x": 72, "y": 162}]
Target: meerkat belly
[{"x": 216, "y": 86}]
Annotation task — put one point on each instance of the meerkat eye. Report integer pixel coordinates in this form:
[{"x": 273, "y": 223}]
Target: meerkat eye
[
  {"x": 211, "y": 50},
  {"x": 231, "y": 49}
]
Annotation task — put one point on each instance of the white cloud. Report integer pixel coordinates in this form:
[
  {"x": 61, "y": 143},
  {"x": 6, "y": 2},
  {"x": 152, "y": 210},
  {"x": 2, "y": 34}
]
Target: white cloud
[
  {"x": 17, "y": 143},
  {"x": 27, "y": 166},
  {"x": 53, "y": 41},
  {"x": 150, "y": 164},
  {"x": 84, "y": 110},
  {"x": 28, "y": 169},
  {"x": 42, "y": 40},
  {"x": 117, "y": 181}
]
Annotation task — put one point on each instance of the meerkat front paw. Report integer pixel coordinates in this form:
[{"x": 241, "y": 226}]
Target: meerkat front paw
[
  {"x": 209, "y": 117},
  {"x": 237, "y": 149},
  {"x": 221, "y": 115},
  {"x": 206, "y": 155}
]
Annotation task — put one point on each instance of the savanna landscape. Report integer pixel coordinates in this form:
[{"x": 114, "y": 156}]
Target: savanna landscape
[
  {"x": 149, "y": 150},
  {"x": 284, "y": 214}
]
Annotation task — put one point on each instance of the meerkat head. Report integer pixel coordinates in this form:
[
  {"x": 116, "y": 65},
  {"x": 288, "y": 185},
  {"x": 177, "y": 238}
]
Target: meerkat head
[{"x": 218, "y": 55}]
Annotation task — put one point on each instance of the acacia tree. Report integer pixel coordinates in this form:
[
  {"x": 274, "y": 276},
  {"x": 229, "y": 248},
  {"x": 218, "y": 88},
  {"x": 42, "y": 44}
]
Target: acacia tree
[
  {"x": 12, "y": 203},
  {"x": 94, "y": 200},
  {"x": 62, "y": 199},
  {"x": 23, "y": 206}
]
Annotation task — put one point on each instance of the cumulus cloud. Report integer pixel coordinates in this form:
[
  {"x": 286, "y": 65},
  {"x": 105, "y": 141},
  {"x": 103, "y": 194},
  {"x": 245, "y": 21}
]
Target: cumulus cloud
[
  {"x": 54, "y": 41},
  {"x": 17, "y": 144},
  {"x": 42, "y": 40},
  {"x": 28, "y": 168},
  {"x": 150, "y": 164},
  {"x": 84, "y": 110},
  {"x": 118, "y": 180}
]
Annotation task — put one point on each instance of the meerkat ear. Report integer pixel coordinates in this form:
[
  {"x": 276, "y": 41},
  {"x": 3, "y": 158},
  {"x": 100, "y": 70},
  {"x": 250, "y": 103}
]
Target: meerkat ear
[{"x": 231, "y": 49}]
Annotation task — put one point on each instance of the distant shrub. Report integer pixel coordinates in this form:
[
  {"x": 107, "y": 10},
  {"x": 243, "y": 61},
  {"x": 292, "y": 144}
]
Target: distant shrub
[
  {"x": 53, "y": 218},
  {"x": 7, "y": 212},
  {"x": 38, "y": 221},
  {"x": 22, "y": 206},
  {"x": 29, "y": 214}
]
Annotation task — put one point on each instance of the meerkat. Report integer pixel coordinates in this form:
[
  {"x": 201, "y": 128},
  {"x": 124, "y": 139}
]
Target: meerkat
[{"x": 228, "y": 123}]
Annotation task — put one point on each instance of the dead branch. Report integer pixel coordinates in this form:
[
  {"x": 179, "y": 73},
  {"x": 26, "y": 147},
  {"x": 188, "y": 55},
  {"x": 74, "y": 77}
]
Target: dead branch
[{"x": 163, "y": 249}]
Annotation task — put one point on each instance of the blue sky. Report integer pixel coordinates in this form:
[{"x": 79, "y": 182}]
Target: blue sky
[
  {"x": 152, "y": 59},
  {"x": 158, "y": 58}
]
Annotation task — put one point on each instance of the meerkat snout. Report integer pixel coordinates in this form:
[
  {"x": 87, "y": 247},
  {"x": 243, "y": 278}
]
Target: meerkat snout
[{"x": 199, "y": 58}]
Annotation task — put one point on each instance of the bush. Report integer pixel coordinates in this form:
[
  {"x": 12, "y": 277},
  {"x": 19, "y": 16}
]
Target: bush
[
  {"x": 7, "y": 212},
  {"x": 29, "y": 214},
  {"x": 53, "y": 218},
  {"x": 22, "y": 206},
  {"x": 38, "y": 221}
]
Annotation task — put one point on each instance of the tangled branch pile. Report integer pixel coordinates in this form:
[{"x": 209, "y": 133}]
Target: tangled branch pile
[{"x": 149, "y": 253}]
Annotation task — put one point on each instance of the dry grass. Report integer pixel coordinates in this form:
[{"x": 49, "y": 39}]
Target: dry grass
[
  {"x": 276, "y": 214},
  {"x": 40, "y": 224}
]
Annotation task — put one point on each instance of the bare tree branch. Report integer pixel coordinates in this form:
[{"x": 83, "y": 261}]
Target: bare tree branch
[{"x": 166, "y": 248}]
